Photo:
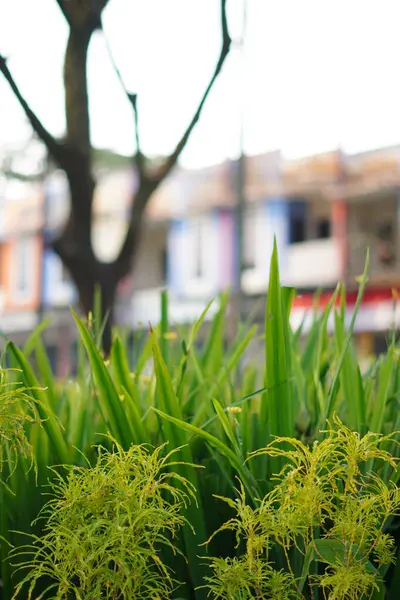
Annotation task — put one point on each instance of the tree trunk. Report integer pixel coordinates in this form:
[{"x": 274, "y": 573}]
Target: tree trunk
[
  {"x": 100, "y": 278},
  {"x": 74, "y": 247},
  {"x": 76, "y": 91},
  {"x": 74, "y": 156}
]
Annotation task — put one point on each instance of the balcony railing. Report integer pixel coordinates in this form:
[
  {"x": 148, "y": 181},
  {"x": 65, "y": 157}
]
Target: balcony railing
[{"x": 314, "y": 263}]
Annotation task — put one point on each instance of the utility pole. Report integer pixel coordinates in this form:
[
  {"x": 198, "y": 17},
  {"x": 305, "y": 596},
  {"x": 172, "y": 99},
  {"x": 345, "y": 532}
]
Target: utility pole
[
  {"x": 240, "y": 175},
  {"x": 43, "y": 235}
]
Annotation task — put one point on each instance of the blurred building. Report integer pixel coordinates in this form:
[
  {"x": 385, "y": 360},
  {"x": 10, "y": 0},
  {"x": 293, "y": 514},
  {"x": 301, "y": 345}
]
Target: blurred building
[{"x": 324, "y": 210}]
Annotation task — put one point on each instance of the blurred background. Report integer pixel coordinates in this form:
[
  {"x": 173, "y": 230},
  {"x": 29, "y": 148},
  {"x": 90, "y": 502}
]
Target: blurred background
[{"x": 299, "y": 138}]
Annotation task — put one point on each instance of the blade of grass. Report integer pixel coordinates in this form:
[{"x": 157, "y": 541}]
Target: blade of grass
[
  {"x": 45, "y": 372},
  {"x": 227, "y": 427},
  {"x": 222, "y": 448},
  {"x": 128, "y": 388},
  {"x": 168, "y": 400},
  {"x": 213, "y": 355},
  {"x": 196, "y": 327},
  {"x": 384, "y": 382},
  {"x": 108, "y": 396},
  {"x": 204, "y": 409},
  {"x": 6, "y": 570},
  {"x": 35, "y": 336},
  {"x": 335, "y": 381},
  {"x": 50, "y": 424},
  {"x": 355, "y": 413},
  {"x": 277, "y": 407},
  {"x": 164, "y": 325}
]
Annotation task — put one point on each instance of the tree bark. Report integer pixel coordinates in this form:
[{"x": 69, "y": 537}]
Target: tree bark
[
  {"x": 76, "y": 91},
  {"x": 102, "y": 278},
  {"x": 75, "y": 249}
]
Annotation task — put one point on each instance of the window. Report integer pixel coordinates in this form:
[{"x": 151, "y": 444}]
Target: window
[
  {"x": 198, "y": 239},
  {"x": 385, "y": 231},
  {"x": 22, "y": 267},
  {"x": 297, "y": 222},
  {"x": 298, "y": 230},
  {"x": 380, "y": 343},
  {"x": 323, "y": 229},
  {"x": 249, "y": 240},
  {"x": 386, "y": 244}
]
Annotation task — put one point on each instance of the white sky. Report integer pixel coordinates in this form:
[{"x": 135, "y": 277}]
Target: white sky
[{"x": 317, "y": 72}]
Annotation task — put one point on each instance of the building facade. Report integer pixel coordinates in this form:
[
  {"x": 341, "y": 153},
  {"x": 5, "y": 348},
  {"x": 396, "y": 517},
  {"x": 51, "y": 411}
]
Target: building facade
[{"x": 325, "y": 211}]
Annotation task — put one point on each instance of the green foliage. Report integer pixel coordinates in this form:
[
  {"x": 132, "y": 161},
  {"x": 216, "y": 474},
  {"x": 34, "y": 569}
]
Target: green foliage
[
  {"x": 17, "y": 410},
  {"x": 18, "y": 417},
  {"x": 322, "y": 509},
  {"x": 106, "y": 526},
  {"x": 216, "y": 396}
]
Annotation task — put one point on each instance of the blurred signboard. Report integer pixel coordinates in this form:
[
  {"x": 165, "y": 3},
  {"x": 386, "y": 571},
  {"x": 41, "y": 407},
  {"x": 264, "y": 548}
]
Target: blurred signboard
[
  {"x": 373, "y": 170},
  {"x": 344, "y": 175},
  {"x": 311, "y": 172}
]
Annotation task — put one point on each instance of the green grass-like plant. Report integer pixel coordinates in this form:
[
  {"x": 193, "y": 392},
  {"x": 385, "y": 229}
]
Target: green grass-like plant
[
  {"x": 19, "y": 416},
  {"x": 17, "y": 410},
  {"x": 202, "y": 388},
  {"x": 326, "y": 518},
  {"x": 106, "y": 526}
]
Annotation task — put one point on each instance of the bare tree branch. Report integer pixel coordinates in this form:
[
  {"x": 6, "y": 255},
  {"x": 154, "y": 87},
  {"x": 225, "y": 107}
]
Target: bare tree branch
[
  {"x": 63, "y": 4},
  {"x": 17, "y": 176},
  {"x": 74, "y": 155},
  {"x": 132, "y": 99},
  {"x": 150, "y": 183},
  {"x": 123, "y": 262},
  {"x": 54, "y": 147},
  {"x": 139, "y": 158},
  {"x": 226, "y": 43}
]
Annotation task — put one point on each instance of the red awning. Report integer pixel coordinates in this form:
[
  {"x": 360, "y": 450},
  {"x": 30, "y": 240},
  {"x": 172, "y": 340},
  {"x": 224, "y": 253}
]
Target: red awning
[{"x": 371, "y": 296}]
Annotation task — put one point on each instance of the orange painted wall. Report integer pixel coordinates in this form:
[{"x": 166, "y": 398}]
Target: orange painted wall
[
  {"x": 9, "y": 260},
  {"x": 339, "y": 231}
]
